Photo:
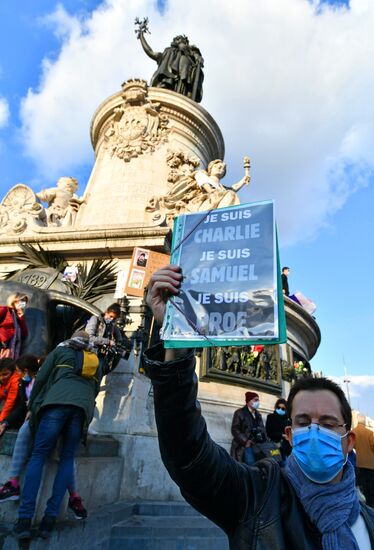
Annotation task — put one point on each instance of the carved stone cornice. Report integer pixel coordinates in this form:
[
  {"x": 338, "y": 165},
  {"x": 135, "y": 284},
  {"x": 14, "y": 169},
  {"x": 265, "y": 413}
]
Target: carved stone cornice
[
  {"x": 185, "y": 117},
  {"x": 303, "y": 333}
]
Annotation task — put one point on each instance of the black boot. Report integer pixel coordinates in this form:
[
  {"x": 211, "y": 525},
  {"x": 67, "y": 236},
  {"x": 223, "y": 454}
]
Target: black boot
[
  {"x": 22, "y": 528},
  {"x": 46, "y": 526}
]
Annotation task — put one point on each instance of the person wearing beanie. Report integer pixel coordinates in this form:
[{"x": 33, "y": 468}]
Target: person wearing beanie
[{"x": 246, "y": 428}]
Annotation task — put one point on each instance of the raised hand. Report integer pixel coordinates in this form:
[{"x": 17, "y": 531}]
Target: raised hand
[{"x": 164, "y": 283}]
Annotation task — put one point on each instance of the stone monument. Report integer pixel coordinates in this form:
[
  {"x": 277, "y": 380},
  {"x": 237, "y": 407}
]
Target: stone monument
[{"x": 158, "y": 153}]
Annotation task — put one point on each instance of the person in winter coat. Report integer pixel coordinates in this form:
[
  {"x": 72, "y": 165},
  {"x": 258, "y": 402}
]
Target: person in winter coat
[
  {"x": 62, "y": 403},
  {"x": 276, "y": 423},
  {"x": 103, "y": 330},
  {"x": 311, "y": 504},
  {"x": 13, "y": 327},
  {"x": 247, "y": 428}
]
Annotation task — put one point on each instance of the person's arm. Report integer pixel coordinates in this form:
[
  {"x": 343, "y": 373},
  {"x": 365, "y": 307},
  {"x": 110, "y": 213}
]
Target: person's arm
[
  {"x": 18, "y": 412},
  {"x": 208, "y": 477},
  {"x": 237, "y": 186},
  {"x": 42, "y": 376},
  {"x": 11, "y": 398},
  {"x": 23, "y": 325},
  {"x": 91, "y": 329},
  {"x": 236, "y": 429}
]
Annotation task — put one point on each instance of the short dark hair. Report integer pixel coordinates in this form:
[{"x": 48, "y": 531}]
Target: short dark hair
[
  {"x": 29, "y": 362},
  {"x": 314, "y": 384},
  {"x": 114, "y": 308},
  {"x": 285, "y": 267},
  {"x": 7, "y": 364},
  {"x": 280, "y": 401}
]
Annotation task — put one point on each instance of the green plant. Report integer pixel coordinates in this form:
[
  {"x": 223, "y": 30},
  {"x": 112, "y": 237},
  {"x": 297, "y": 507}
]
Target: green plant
[
  {"x": 36, "y": 256},
  {"x": 95, "y": 280}
]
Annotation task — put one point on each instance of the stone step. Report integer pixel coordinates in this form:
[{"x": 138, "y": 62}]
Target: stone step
[
  {"x": 168, "y": 526},
  {"x": 169, "y": 543},
  {"x": 176, "y": 508}
]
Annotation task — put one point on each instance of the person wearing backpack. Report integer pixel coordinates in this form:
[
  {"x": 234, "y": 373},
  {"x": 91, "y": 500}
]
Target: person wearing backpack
[{"x": 61, "y": 403}]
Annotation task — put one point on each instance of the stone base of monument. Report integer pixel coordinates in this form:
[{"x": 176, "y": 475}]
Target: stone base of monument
[
  {"x": 99, "y": 475},
  {"x": 132, "y": 526}
]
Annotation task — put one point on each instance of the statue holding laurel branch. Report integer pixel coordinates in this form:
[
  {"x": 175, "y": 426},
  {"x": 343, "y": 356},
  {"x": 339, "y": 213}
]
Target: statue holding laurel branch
[{"x": 180, "y": 65}]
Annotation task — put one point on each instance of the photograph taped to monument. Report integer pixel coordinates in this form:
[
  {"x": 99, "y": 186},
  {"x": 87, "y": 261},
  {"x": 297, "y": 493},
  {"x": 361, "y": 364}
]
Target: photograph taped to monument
[{"x": 230, "y": 293}]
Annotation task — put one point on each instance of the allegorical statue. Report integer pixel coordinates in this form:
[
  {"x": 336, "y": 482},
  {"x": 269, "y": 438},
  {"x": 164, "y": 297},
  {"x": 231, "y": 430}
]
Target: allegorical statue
[
  {"x": 180, "y": 66},
  {"x": 192, "y": 190}
]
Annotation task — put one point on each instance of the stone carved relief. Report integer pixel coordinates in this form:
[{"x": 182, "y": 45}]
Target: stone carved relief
[
  {"x": 259, "y": 362},
  {"x": 137, "y": 126},
  {"x": 63, "y": 203},
  {"x": 21, "y": 209},
  {"x": 192, "y": 190}
]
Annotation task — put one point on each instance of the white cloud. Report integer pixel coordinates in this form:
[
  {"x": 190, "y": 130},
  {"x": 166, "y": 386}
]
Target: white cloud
[
  {"x": 4, "y": 112},
  {"x": 289, "y": 84}
]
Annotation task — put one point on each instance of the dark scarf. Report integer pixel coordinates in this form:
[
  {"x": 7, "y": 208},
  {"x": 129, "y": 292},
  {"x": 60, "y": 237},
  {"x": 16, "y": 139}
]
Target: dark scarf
[
  {"x": 333, "y": 508},
  {"x": 77, "y": 343}
]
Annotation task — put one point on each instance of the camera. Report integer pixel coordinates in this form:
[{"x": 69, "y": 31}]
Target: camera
[{"x": 113, "y": 354}]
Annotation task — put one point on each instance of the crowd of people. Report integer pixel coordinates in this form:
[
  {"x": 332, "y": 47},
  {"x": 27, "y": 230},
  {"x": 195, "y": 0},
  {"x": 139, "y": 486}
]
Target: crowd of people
[
  {"x": 49, "y": 400},
  {"x": 305, "y": 497}
]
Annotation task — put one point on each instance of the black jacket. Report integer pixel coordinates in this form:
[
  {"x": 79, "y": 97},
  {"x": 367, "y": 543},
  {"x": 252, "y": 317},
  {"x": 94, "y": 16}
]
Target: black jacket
[
  {"x": 255, "y": 505},
  {"x": 17, "y": 415},
  {"x": 242, "y": 428}
]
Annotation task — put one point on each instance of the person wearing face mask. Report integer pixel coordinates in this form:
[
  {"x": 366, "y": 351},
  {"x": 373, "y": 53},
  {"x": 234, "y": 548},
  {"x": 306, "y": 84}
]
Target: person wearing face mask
[
  {"x": 311, "y": 504},
  {"x": 103, "y": 330},
  {"x": 13, "y": 327},
  {"x": 247, "y": 428},
  {"x": 276, "y": 423}
]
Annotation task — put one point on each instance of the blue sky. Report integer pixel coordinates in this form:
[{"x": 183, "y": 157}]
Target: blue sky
[{"x": 290, "y": 84}]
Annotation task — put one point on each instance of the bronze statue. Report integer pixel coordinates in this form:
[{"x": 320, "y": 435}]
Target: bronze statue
[{"x": 180, "y": 66}]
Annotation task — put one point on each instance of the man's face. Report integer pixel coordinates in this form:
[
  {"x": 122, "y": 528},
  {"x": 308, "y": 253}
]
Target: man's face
[
  {"x": 252, "y": 402},
  {"x": 320, "y": 407},
  {"x": 110, "y": 316},
  {"x": 286, "y": 272},
  {"x": 5, "y": 374}
]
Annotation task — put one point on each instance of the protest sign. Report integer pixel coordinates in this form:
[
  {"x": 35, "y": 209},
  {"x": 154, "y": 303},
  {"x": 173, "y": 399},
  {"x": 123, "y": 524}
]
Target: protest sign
[
  {"x": 230, "y": 293},
  {"x": 144, "y": 263}
]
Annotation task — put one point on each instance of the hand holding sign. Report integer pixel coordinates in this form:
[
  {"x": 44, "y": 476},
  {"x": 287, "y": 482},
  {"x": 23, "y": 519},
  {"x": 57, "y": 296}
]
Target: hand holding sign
[{"x": 164, "y": 283}]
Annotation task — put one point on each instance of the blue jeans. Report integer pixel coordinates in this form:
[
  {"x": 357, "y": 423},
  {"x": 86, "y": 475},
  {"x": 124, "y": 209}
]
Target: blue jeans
[
  {"x": 248, "y": 457},
  {"x": 64, "y": 420}
]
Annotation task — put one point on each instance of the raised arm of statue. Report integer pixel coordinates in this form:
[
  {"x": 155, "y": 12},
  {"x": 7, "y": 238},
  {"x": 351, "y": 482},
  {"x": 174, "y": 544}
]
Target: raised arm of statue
[
  {"x": 246, "y": 179},
  {"x": 241, "y": 183},
  {"x": 147, "y": 48},
  {"x": 140, "y": 31}
]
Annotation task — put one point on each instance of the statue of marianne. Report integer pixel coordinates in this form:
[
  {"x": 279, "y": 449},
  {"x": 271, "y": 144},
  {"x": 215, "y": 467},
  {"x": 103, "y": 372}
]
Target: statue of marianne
[{"x": 180, "y": 66}]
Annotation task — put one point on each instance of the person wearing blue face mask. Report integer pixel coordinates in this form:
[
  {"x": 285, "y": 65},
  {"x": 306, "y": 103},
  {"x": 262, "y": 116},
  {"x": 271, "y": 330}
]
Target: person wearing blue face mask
[
  {"x": 103, "y": 330},
  {"x": 311, "y": 504},
  {"x": 276, "y": 423}
]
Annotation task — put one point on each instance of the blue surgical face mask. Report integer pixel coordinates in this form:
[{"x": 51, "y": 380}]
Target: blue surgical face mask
[
  {"x": 108, "y": 321},
  {"x": 255, "y": 405},
  {"x": 281, "y": 412},
  {"x": 27, "y": 378},
  {"x": 318, "y": 452}
]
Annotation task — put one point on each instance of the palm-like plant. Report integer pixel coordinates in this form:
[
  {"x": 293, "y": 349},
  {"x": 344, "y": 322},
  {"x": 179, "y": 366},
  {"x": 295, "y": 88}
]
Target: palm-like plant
[
  {"x": 94, "y": 281},
  {"x": 35, "y": 257}
]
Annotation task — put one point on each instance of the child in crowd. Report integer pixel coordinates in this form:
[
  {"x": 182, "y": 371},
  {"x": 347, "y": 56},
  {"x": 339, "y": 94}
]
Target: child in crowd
[
  {"x": 9, "y": 381},
  {"x": 27, "y": 367}
]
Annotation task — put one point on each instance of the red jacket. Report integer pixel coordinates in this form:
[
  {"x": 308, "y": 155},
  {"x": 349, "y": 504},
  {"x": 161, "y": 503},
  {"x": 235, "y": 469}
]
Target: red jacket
[
  {"x": 9, "y": 393},
  {"x": 7, "y": 328}
]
